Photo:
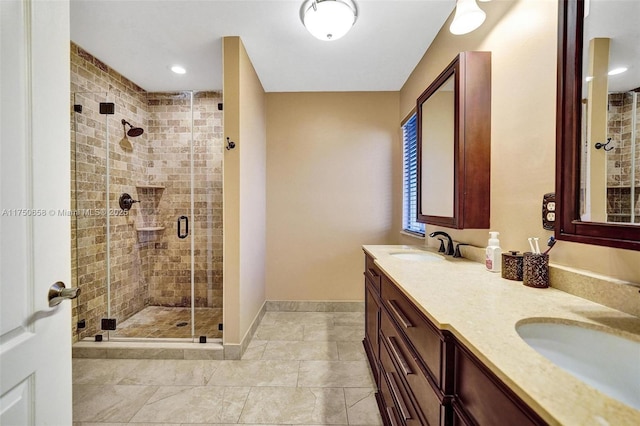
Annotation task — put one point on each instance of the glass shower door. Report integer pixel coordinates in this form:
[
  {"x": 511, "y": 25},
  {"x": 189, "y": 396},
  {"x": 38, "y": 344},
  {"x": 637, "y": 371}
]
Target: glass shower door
[{"x": 183, "y": 187}]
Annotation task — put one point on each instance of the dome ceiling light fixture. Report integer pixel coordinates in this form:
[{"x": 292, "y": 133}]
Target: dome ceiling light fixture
[
  {"x": 328, "y": 20},
  {"x": 467, "y": 18}
]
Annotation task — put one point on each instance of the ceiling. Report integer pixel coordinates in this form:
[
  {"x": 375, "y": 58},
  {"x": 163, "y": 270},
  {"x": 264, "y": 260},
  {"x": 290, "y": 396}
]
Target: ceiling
[
  {"x": 614, "y": 20},
  {"x": 142, "y": 39}
]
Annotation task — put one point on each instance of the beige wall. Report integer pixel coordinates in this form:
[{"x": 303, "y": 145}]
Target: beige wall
[
  {"x": 331, "y": 158},
  {"x": 244, "y": 192},
  {"x": 522, "y": 37}
]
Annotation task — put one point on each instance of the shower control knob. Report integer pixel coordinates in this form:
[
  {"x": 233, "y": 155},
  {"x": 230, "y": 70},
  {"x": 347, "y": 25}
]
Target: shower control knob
[
  {"x": 58, "y": 292},
  {"x": 126, "y": 201}
]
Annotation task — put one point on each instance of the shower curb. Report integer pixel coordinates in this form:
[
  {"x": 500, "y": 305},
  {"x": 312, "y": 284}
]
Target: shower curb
[{"x": 148, "y": 350}]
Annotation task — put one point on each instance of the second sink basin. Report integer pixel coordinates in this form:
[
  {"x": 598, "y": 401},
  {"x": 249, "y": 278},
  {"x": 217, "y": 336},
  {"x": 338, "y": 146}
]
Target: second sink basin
[
  {"x": 417, "y": 255},
  {"x": 603, "y": 360}
]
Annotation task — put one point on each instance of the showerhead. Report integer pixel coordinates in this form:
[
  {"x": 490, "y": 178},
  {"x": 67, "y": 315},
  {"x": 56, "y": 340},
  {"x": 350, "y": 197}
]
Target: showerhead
[{"x": 133, "y": 131}]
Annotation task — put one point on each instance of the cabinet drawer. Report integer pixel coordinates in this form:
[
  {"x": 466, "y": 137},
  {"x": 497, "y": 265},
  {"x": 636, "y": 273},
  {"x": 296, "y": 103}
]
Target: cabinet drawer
[
  {"x": 402, "y": 397},
  {"x": 484, "y": 398},
  {"x": 372, "y": 273},
  {"x": 405, "y": 363},
  {"x": 423, "y": 336},
  {"x": 388, "y": 410}
]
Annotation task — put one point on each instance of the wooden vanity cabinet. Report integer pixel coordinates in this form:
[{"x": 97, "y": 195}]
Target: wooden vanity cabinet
[
  {"x": 413, "y": 384},
  {"x": 423, "y": 374}
]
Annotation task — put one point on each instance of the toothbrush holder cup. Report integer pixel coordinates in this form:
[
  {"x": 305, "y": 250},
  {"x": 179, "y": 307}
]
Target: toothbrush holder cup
[
  {"x": 512, "y": 266},
  {"x": 535, "y": 271}
]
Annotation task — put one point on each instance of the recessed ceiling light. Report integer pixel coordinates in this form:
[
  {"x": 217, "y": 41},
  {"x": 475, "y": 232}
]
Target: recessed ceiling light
[
  {"x": 178, "y": 69},
  {"x": 618, "y": 70}
]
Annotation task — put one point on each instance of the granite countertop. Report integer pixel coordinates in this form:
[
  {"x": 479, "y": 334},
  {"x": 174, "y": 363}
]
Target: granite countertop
[{"x": 482, "y": 310}]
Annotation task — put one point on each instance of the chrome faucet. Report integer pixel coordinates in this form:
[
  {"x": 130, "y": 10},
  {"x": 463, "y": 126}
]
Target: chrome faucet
[{"x": 449, "y": 251}]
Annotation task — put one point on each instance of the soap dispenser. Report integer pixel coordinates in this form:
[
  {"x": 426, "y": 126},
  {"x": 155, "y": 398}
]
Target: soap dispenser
[{"x": 493, "y": 252}]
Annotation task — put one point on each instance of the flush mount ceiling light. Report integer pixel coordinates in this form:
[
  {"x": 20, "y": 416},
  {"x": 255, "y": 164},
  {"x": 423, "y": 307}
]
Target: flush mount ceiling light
[
  {"x": 467, "y": 18},
  {"x": 328, "y": 20},
  {"x": 178, "y": 69}
]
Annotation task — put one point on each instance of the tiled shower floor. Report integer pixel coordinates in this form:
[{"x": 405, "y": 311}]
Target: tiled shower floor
[{"x": 171, "y": 322}]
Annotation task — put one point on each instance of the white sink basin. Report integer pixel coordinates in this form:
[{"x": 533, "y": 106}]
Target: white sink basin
[
  {"x": 605, "y": 361},
  {"x": 417, "y": 255}
]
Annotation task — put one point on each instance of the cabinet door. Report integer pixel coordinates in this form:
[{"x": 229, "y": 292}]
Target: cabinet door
[
  {"x": 372, "y": 325},
  {"x": 483, "y": 398},
  {"x": 454, "y": 145},
  {"x": 459, "y": 418}
]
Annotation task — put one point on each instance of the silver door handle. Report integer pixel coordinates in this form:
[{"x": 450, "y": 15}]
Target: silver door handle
[{"x": 58, "y": 292}]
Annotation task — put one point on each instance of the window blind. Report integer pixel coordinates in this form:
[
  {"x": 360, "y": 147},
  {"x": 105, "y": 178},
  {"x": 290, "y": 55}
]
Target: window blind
[{"x": 410, "y": 177}]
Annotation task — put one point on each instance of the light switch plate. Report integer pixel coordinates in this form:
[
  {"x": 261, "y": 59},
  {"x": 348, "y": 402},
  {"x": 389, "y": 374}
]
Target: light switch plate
[{"x": 549, "y": 211}]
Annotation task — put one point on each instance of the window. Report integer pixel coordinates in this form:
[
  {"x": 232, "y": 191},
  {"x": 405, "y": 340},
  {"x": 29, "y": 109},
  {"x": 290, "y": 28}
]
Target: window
[{"x": 410, "y": 178}]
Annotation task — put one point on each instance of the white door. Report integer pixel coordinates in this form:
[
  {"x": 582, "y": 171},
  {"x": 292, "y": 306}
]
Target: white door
[{"x": 35, "y": 340}]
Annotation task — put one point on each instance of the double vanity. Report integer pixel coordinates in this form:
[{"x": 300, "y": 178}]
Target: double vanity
[{"x": 450, "y": 343}]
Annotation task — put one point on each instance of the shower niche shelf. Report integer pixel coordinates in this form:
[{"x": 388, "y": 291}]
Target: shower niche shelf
[
  {"x": 150, "y": 229},
  {"x": 149, "y": 186}
]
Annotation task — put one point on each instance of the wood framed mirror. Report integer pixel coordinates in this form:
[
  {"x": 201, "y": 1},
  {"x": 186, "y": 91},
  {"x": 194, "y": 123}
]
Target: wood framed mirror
[
  {"x": 454, "y": 145},
  {"x": 598, "y": 185}
]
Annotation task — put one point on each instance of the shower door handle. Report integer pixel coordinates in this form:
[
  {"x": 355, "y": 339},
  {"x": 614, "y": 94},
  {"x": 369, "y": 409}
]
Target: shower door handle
[{"x": 182, "y": 219}]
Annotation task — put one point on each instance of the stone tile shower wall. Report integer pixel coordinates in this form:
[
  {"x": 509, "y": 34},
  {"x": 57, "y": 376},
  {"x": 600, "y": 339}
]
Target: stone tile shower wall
[
  {"x": 147, "y": 268},
  {"x": 620, "y": 159}
]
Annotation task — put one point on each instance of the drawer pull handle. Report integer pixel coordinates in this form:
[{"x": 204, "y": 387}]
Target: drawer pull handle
[
  {"x": 399, "y": 314},
  {"x": 404, "y": 411},
  {"x": 397, "y": 354},
  {"x": 391, "y": 414}
]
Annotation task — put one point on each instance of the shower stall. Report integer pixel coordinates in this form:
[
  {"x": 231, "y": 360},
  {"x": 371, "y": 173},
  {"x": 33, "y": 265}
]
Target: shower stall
[
  {"x": 146, "y": 210},
  {"x": 610, "y": 192},
  {"x": 623, "y": 158}
]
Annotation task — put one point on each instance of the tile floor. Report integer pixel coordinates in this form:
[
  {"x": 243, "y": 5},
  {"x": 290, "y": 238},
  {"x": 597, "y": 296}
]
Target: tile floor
[
  {"x": 171, "y": 322},
  {"x": 301, "y": 368}
]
